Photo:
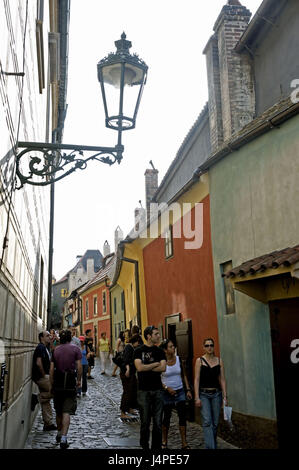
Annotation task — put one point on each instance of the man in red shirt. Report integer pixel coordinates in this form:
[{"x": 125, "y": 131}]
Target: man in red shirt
[{"x": 65, "y": 376}]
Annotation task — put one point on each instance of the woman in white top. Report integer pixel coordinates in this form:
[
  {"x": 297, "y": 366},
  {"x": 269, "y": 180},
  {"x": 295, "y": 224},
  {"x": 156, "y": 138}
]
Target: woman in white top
[
  {"x": 119, "y": 347},
  {"x": 174, "y": 380}
]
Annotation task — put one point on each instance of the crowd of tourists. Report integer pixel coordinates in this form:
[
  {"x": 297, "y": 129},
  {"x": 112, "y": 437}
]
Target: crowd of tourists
[{"x": 153, "y": 376}]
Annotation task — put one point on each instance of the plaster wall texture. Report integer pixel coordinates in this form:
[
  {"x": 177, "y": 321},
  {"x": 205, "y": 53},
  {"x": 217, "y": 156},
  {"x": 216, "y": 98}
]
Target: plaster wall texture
[
  {"x": 254, "y": 210},
  {"x": 23, "y": 275},
  {"x": 276, "y": 57}
]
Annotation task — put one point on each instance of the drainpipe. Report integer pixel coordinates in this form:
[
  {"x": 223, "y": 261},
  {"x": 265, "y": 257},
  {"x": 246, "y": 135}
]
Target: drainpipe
[
  {"x": 111, "y": 316},
  {"x": 80, "y": 314},
  {"x": 51, "y": 236},
  {"x": 135, "y": 262}
]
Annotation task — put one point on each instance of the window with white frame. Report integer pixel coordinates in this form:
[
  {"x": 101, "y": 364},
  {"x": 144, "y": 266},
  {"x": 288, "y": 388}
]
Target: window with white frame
[
  {"x": 86, "y": 309},
  {"x": 104, "y": 302},
  {"x": 168, "y": 242},
  {"x": 95, "y": 306}
]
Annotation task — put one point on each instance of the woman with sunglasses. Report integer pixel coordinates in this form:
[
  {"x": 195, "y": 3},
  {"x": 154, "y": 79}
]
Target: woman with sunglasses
[{"x": 209, "y": 391}]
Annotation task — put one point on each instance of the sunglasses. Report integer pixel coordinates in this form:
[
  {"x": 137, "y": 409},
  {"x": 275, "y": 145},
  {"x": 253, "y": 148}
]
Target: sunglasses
[{"x": 209, "y": 345}]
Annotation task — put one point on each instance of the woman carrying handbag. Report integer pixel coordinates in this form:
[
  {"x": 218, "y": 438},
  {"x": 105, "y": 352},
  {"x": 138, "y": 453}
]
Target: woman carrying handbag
[
  {"x": 209, "y": 391},
  {"x": 174, "y": 382}
]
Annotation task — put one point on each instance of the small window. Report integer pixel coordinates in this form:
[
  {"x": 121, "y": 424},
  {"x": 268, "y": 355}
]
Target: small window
[
  {"x": 228, "y": 289},
  {"x": 104, "y": 302},
  {"x": 95, "y": 306},
  {"x": 168, "y": 243},
  {"x": 115, "y": 305},
  {"x": 64, "y": 293},
  {"x": 122, "y": 301},
  {"x": 86, "y": 309}
]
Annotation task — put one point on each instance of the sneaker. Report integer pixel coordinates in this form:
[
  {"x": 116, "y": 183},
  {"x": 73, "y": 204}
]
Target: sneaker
[
  {"x": 50, "y": 427},
  {"x": 58, "y": 438},
  {"x": 85, "y": 394},
  {"x": 90, "y": 377},
  {"x": 64, "y": 445},
  {"x": 103, "y": 372}
]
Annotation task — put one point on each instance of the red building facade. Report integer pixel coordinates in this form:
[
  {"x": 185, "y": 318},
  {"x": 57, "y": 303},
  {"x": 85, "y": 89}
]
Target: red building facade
[{"x": 181, "y": 287}]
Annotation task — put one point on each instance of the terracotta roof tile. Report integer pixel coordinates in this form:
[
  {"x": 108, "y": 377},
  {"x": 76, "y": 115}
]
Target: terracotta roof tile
[{"x": 273, "y": 260}]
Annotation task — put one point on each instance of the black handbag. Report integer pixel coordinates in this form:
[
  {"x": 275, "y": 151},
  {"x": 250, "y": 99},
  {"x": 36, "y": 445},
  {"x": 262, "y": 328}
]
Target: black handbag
[{"x": 118, "y": 359}]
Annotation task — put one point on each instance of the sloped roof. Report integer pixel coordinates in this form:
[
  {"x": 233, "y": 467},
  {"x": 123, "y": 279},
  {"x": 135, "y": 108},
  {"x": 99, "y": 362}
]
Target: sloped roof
[
  {"x": 274, "y": 260},
  {"x": 105, "y": 272},
  {"x": 192, "y": 134},
  {"x": 96, "y": 255}
]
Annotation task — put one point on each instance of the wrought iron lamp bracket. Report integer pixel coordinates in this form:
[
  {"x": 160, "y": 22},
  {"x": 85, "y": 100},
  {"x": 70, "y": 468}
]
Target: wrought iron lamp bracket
[{"x": 58, "y": 161}]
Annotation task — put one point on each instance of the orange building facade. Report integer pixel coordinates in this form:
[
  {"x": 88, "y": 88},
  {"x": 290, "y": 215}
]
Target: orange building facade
[{"x": 180, "y": 287}]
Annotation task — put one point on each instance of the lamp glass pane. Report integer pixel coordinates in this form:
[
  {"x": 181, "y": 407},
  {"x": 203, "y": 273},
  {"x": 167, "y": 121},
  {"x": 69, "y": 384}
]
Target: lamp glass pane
[
  {"x": 112, "y": 74},
  {"x": 130, "y": 99},
  {"x": 112, "y": 99}
]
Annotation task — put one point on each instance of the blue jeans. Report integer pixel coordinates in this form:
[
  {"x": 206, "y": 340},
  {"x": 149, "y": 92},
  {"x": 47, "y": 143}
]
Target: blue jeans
[
  {"x": 210, "y": 412},
  {"x": 150, "y": 405},
  {"x": 84, "y": 380}
]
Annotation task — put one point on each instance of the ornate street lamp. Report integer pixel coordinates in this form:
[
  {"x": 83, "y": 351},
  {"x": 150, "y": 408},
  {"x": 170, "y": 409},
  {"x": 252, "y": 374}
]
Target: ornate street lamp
[
  {"x": 122, "y": 77},
  {"x": 127, "y": 74}
]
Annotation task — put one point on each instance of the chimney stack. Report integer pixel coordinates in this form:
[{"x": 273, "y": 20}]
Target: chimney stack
[
  {"x": 151, "y": 186},
  {"x": 90, "y": 268},
  {"x": 118, "y": 236},
  {"x": 106, "y": 249},
  {"x": 230, "y": 75}
]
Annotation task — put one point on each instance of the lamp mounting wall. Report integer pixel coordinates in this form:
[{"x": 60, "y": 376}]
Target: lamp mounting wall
[{"x": 55, "y": 164}]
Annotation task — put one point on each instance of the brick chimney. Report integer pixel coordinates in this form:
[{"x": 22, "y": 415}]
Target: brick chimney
[
  {"x": 214, "y": 87},
  {"x": 151, "y": 186},
  {"x": 231, "y": 91}
]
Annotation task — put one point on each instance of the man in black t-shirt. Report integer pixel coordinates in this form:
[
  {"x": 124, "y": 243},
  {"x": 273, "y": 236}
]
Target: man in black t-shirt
[
  {"x": 40, "y": 375},
  {"x": 150, "y": 362}
]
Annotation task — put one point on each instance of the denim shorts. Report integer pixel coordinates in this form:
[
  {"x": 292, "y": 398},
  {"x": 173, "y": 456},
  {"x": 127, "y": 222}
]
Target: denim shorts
[{"x": 174, "y": 399}]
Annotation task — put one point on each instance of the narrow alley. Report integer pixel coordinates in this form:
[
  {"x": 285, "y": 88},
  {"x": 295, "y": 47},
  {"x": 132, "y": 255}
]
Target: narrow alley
[{"x": 97, "y": 425}]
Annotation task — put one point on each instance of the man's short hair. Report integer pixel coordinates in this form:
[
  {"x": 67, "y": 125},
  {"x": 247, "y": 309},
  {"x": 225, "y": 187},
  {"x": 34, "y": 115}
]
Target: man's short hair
[
  {"x": 149, "y": 331},
  {"x": 40, "y": 336},
  {"x": 65, "y": 336},
  {"x": 86, "y": 332}
]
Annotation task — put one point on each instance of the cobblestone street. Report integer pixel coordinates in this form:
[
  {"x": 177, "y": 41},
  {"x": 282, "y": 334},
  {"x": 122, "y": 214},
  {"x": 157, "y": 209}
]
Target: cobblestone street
[{"x": 96, "y": 424}]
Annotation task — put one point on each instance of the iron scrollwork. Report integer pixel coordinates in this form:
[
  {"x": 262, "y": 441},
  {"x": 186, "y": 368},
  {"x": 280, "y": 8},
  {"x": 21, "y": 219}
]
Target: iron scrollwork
[{"x": 55, "y": 164}]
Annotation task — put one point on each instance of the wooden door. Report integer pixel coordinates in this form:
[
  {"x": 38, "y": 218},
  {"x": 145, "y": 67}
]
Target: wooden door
[
  {"x": 184, "y": 341},
  {"x": 284, "y": 317}
]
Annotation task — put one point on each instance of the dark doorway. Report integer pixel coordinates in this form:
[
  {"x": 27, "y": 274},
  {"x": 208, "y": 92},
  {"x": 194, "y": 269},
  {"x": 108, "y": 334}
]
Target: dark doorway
[{"x": 284, "y": 317}]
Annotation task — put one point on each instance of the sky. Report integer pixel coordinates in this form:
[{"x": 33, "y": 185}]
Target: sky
[{"x": 170, "y": 36}]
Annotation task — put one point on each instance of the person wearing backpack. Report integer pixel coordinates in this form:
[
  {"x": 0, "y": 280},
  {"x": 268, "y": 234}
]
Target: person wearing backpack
[
  {"x": 209, "y": 391},
  {"x": 65, "y": 377},
  {"x": 128, "y": 378}
]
